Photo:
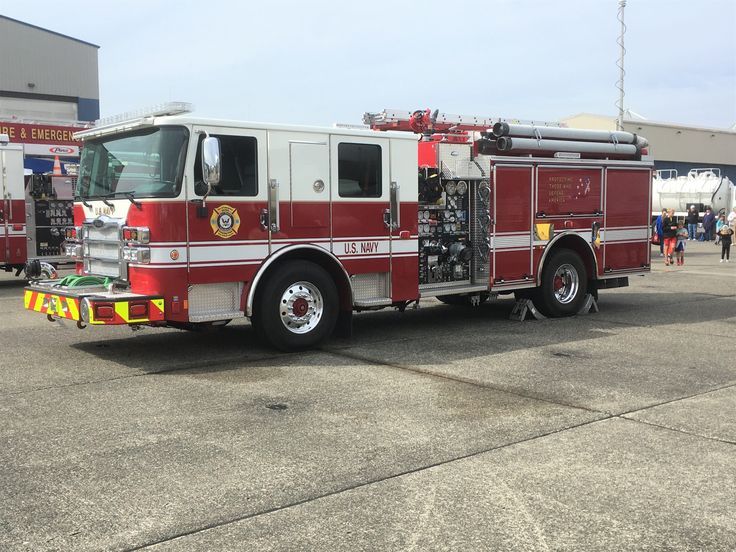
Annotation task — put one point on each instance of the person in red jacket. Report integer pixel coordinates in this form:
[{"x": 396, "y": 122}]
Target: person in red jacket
[{"x": 669, "y": 233}]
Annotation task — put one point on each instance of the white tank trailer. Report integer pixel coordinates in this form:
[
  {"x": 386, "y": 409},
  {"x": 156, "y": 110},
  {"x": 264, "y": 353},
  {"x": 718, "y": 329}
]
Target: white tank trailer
[{"x": 701, "y": 187}]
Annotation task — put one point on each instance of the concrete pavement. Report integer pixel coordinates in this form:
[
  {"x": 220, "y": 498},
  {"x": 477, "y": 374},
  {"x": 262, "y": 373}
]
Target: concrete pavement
[{"x": 445, "y": 428}]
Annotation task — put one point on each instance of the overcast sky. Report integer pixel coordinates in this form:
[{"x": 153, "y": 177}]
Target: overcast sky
[{"x": 320, "y": 61}]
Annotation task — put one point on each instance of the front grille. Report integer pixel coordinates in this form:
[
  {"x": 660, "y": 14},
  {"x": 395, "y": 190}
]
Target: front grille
[{"x": 102, "y": 247}]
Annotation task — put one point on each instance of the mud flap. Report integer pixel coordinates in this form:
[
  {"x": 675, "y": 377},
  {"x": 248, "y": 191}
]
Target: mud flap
[{"x": 344, "y": 326}]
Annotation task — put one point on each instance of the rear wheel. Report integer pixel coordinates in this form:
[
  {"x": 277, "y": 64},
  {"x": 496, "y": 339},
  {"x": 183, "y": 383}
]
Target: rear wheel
[
  {"x": 297, "y": 307},
  {"x": 564, "y": 284}
]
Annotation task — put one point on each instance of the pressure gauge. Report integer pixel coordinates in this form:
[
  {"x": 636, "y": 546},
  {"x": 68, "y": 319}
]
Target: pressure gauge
[
  {"x": 450, "y": 187},
  {"x": 426, "y": 215},
  {"x": 462, "y": 187},
  {"x": 449, "y": 227}
]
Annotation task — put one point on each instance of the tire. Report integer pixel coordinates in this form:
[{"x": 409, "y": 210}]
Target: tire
[
  {"x": 564, "y": 285},
  {"x": 297, "y": 307},
  {"x": 463, "y": 300}
]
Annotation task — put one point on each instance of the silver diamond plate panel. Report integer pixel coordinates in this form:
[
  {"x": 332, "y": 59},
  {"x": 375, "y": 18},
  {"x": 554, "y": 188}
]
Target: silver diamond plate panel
[
  {"x": 373, "y": 285},
  {"x": 455, "y": 162},
  {"x": 209, "y": 302},
  {"x": 480, "y": 230}
]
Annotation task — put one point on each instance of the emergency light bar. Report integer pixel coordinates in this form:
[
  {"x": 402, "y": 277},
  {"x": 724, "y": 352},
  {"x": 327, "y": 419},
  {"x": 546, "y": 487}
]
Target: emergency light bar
[
  {"x": 159, "y": 110},
  {"x": 131, "y": 119}
]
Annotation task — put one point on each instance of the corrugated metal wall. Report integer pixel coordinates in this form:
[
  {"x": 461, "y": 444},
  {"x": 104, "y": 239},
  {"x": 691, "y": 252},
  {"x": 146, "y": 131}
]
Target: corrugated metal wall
[
  {"x": 698, "y": 146},
  {"x": 55, "y": 64}
]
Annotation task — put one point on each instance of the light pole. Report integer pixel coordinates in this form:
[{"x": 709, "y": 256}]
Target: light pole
[{"x": 620, "y": 63}]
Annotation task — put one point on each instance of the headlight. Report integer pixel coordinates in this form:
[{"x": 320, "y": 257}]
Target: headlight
[
  {"x": 72, "y": 249},
  {"x": 139, "y": 255}
]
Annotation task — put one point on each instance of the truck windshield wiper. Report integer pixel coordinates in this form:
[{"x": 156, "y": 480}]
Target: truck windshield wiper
[
  {"x": 129, "y": 195},
  {"x": 83, "y": 200}
]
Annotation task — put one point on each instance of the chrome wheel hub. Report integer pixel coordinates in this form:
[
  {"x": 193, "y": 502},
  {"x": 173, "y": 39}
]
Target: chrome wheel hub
[
  {"x": 301, "y": 307},
  {"x": 566, "y": 283}
]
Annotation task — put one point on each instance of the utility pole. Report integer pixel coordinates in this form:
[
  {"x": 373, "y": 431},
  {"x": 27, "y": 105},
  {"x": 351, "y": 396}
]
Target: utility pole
[{"x": 620, "y": 63}]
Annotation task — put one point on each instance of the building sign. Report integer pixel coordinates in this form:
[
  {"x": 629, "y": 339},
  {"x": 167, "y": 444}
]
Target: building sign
[
  {"x": 40, "y": 134},
  {"x": 48, "y": 150}
]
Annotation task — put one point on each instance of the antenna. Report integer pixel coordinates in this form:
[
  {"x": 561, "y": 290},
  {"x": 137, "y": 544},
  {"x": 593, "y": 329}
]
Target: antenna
[{"x": 620, "y": 64}]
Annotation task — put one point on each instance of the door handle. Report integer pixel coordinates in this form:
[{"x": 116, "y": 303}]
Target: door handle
[
  {"x": 394, "y": 205},
  {"x": 264, "y": 219},
  {"x": 387, "y": 218}
]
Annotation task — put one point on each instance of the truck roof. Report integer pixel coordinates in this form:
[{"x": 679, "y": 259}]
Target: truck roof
[{"x": 188, "y": 119}]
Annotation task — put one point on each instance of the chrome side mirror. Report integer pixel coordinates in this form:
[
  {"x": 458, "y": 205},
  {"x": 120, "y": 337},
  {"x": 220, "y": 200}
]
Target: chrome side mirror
[{"x": 211, "y": 165}]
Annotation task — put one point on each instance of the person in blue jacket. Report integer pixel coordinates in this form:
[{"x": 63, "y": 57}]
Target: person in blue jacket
[
  {"x": 709, "y": 220},
  {"x": 658, "y": 229}
]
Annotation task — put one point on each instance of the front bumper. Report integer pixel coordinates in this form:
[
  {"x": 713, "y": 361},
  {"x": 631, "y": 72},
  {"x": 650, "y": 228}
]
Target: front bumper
[{"x": 93, "y": 305}]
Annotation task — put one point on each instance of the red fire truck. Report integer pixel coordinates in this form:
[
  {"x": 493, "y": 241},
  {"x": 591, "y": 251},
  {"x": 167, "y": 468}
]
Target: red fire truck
[
  {"x": 35, "y": 209},
  {"x": 188, "y": 222}
]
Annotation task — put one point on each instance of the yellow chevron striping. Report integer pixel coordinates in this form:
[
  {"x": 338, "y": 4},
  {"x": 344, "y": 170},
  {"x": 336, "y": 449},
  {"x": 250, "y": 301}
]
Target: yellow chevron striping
[
  {"x": 73, "y": 310},
  {"x": 158, "y": 303},
  {"x": 121, "y": 309},
  {"x": 39, "y": 302}
]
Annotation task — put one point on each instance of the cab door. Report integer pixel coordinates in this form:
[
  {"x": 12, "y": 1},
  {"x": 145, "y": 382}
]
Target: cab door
[
  {"x": 361, "y": 216},
  {"x": 227, "y": 237},
  {"x": 299, "y": 181}
]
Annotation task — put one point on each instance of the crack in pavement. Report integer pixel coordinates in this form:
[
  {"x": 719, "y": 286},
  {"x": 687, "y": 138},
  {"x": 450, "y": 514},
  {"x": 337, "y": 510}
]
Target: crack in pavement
[{"x": 677, "y": 430}]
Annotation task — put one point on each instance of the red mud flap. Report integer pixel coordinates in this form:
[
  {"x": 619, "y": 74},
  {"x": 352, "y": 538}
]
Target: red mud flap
[{"x": 96, "y": 310}]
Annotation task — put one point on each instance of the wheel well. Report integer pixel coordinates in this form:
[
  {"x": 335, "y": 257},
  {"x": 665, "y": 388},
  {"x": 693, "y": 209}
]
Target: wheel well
[
  {"x": 575, "y": 243},
  {"x": 318, "y": 257}
]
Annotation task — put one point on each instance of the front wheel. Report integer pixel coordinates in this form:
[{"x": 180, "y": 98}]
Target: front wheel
[
  {"x": 298, "y": 306},
  {"x": 564, "y": 284}
]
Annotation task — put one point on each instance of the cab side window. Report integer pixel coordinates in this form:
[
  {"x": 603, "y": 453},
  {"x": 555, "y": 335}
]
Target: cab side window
[
  {"x": 359, "y": 170},
  {"x": 239, "y": 158}
]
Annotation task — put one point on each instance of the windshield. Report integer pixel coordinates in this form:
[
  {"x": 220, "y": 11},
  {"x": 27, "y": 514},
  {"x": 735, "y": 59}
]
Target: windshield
[{"x": 144, "y": 163}]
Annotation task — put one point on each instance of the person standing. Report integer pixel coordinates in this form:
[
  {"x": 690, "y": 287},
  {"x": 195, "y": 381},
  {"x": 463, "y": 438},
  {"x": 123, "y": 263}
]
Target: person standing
[
  {"x": 726, "y": 233},
  {"x": 708, "y": 220},
  {"x": 692, "y": 222},
  {"x": 669, "y": 231},
  {"x": 682, "y": 236},
  {"x": 720, "y": 223},
  {"x": 658, "y": 230}
]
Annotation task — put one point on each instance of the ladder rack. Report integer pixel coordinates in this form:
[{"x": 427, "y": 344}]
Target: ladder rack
[{"x": 395, "y": 119}]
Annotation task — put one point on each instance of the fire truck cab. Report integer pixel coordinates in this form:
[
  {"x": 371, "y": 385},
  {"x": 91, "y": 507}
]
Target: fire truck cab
[{"x": 186, "y": 222}]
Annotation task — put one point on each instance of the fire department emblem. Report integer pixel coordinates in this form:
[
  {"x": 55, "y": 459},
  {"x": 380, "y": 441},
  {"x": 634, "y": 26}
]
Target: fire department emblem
[{"x": 225, "y": 221}]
